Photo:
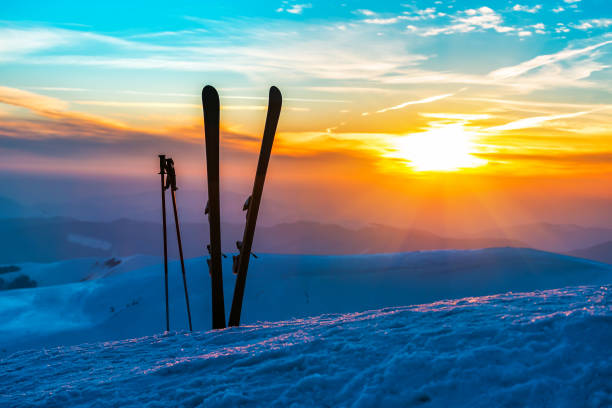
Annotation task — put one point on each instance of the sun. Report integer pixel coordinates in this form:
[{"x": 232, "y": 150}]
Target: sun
[{"x": 443, "y": 147}]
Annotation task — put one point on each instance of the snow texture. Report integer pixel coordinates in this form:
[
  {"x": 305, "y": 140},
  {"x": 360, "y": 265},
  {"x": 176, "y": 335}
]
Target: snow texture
[
  {"x": 126, "y": 301},
  {"x": 537, "y": 349}
]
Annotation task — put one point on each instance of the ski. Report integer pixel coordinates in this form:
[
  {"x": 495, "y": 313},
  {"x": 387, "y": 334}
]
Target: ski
[
  {"x": 210, "y": 104},
  {"x": 251, "y": 206}
]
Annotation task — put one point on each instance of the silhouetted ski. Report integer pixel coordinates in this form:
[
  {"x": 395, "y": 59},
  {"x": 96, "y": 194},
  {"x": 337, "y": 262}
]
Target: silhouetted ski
[
  {"x": 241, "y": 261},
  {"x": 210, "y": 104}
]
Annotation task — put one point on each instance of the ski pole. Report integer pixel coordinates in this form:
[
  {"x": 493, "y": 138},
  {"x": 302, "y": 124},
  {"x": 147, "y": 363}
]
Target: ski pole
[
  {"x": 162, "y": 172},
  {"x": 172, "y": 184}
]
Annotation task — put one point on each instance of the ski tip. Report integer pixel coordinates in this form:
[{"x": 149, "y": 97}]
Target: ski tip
[
  {"x": 275, "y": 94},
  {"x": 209, "y": 92}
]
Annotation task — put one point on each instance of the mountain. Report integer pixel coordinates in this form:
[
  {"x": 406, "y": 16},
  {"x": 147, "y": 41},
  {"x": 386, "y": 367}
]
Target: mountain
[
  {"x": 53, "y": 239},
  {"x": 98, "y": 300},
  {"x": 601, "y": 252},
  {"x": 13, "y": 209},
  {"x": 316, "y": 238},
  {"x": 552, "y": 237},
  {"x": 534, "y": 349},
  {"x": 146, "y": 207}
]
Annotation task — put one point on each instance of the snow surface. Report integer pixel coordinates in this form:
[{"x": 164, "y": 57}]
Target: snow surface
[
  {"x": 79, "y": 269},
  {"x": 539, "y": 349},
  {"x": 118, "y": 303}
]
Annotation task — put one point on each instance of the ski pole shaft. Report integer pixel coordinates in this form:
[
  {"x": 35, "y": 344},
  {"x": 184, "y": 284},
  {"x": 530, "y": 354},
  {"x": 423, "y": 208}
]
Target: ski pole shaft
[
  {"x": 180, "y": 248},
  {"x": 162, "y": 172}
]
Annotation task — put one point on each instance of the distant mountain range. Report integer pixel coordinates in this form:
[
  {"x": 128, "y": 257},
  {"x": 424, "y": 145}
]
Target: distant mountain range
[
  {"x": 600, "y": 252},
  {"x": 552, "y": 237},
  {"x": 52, "y": 239}
]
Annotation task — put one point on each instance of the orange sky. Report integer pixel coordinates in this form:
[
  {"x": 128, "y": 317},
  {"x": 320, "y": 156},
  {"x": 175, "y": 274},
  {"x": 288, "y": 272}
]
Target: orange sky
[{"x": 445, "y": 118}]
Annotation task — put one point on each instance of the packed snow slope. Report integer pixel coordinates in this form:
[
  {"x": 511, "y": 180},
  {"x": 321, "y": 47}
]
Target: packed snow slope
[
  {"x": 537, "y": 349},
  {"x": 112, "y": 304}
]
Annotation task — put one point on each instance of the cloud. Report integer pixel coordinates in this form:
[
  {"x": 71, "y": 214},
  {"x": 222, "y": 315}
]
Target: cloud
[
  {"x": 31, "y": 101},
  {"x": 483, "y": 18},
  {"x": 457, "y": 116},
  {"x": 417, "y": 102},
  {"x": 558, "y": 9},
  {"x": 381, "y": 21},
  {"x": 539, "y": 104},
  {"x": 527, "y": 9},
  {"x": 325, "y": 54},
  {"x": 535, "y": 121},
  {"x": 548, "y": 156},
  {"x": 593, "y": 23},
  {"x": 272, "y": 53},
  {"x": 57, "y": 89},
  {"x": 424, "y": 14},
  {"x": 16, "y": 42},
  {"x": 365, "y": 12},
  {"x": 543, "y": 60},
  {"x": 124, "y": 104},
  {"x": 352, "y": 89},
  {"x": 54, "y": 109},
  {"x": 294, "y": 9}
]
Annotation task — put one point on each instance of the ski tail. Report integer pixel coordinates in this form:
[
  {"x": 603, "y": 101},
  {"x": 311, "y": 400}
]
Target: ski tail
[
  {"x": 210, "y": 104},
  {"x": 241, "y": 262}
]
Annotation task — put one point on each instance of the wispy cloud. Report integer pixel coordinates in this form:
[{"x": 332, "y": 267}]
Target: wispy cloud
[
  {"x": 543, "y": 60},
  {"x": 124, "y": 104},
  {"x": 381, "y": 21},
  {"x": 174, "y": 105},
  {"x": 57, "y": 89},
  {"x": 31, "y": 101},
  {"x": 417, "y": 102},
  {"x": 457, "y": 116},
  {"x": 540, "y": 104},
  {"x": 353, "y": 89},
  {"x": 547, "y": 157},
  {"x": 535, "y": 121},
  {"x": 53, "y": 108},
  {"x": 16, "y": 42},
  {"x": 318, "y": 56}
]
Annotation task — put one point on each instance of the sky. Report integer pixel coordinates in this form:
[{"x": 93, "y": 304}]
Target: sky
[{"x": 451, "y": 116}]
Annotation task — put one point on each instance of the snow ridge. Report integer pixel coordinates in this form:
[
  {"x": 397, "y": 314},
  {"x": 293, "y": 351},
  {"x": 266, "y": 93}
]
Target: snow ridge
[{"x": 542, "y": 348}]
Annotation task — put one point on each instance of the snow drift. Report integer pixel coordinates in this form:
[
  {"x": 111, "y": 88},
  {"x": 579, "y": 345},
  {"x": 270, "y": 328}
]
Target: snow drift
[
  {"x": 121, "y": 302},
  {"x": 538, "y": 349}
]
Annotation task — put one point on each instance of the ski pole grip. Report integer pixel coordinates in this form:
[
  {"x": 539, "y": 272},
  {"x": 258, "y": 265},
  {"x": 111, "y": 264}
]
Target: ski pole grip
[{"x": 162, "y": 164}]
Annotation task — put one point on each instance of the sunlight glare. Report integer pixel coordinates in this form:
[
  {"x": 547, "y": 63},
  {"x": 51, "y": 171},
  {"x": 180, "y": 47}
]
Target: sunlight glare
[{"x": 444, "y": 147}]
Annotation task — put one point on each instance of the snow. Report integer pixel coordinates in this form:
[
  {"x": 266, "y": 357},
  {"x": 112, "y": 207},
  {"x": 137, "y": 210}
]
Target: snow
[
  {"x": 88, "y": 303},
  {"x": 79, "y": 269},
  {"x": 536, "y": 349}
]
